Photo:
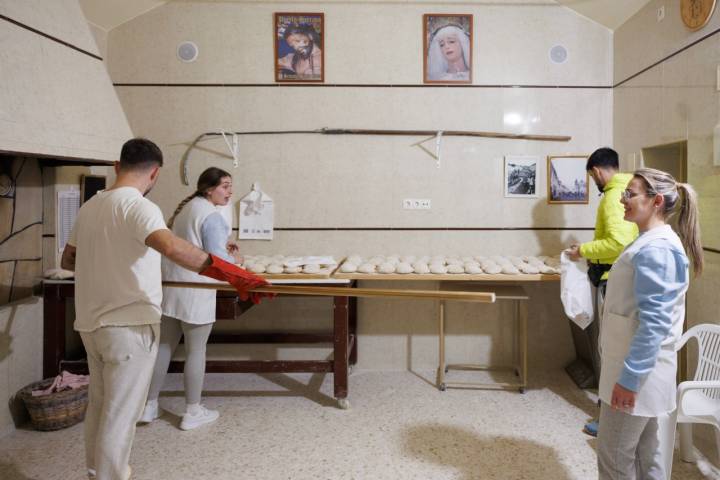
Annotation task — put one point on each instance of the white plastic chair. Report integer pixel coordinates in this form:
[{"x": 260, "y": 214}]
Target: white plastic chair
[{"x": 698, "y": 400}]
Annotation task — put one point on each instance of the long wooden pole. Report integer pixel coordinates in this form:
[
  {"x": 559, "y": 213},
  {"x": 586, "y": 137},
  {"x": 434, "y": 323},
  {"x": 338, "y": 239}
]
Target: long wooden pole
[
  {"x": 411, "y": 133},
  {"x": 480, "y": 297},
  {"x": 362, "y": 131}
]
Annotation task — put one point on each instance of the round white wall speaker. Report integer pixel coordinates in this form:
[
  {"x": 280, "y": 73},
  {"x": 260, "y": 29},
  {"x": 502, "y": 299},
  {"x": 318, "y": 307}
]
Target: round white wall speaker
[
  {"x": 187, "y": 52},
  {"x": 558, "y": 54}
]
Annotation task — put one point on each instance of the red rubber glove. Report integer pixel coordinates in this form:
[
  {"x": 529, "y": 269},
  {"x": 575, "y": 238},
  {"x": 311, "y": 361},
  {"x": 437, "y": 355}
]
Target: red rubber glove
[{"x": 239, "y": 278}]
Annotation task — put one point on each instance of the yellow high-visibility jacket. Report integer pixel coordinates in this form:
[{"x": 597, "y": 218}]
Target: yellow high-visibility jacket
[{"x": 612, "y": 232}]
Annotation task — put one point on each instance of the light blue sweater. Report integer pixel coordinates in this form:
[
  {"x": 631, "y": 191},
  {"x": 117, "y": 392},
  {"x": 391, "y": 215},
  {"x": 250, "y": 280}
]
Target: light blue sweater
[
  {"x": 215, "y": 233},
  {"x": 661, "y": 273}
]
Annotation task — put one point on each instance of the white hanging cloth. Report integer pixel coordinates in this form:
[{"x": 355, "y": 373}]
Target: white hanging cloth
[{"x": 256, "y": 216}]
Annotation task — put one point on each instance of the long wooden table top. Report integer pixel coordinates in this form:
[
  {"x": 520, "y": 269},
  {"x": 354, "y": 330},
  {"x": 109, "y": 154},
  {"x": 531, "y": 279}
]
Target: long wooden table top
[{"x": 484, "y": 277}]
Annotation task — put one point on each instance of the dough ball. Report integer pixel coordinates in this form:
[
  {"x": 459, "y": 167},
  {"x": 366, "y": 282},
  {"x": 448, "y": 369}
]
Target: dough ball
[
  {"x": 376, "y": 260},
  {"x": 510, "y": 270},
  {"x": 404, "y": 267},
  {"x": 311, "y": 268},
  {"x": 348, "y": 267},
  {"x": 517, "y": 262},
  {"x": 454, "y": 261},
  {"x": 455, "y": 268},
  {"x": 274, "y": 268},
  {"x": 424, "y": 259},
  {"x": 471, "y": 264},
  {"x": 473, "y": 269},
  {"x": 293, "y": 269},
  {"x": 552, "y": 262},
  {"x": 480, "y": 258},
  {"x": 386, "y": 267},
  {"x": 257, "y": 268},
  {"x": 437, "y": 259},
  {"x": 366, "y": 268},
  {"x": 421, "y": 267},
  {"x": 548, "y": 270},
  {"x": 529, "y": 269},
  {"x": 491, "y": 268},
  {"x": 408, "y": 258},
  {"x": 438, "y": 268},
  {"x": 356, "y": 259},
  {"x": 393, "y": 258},
  {"x": 466, "y": 259}
]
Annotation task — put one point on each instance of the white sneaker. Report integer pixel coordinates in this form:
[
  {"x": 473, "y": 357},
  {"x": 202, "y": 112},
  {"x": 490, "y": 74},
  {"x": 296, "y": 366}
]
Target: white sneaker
[
  {"x": 152, "y": 412},
  {"x": 203, "y": 417}
]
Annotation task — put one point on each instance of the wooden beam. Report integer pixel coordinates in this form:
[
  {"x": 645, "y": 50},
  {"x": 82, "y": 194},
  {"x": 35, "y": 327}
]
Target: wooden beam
[{"x": 481, "y": 297}]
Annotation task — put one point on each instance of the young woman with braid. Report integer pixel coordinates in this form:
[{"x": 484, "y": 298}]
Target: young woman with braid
[
  {"x": 642, "y": 321},
  {"x": 190, "y": 312}
]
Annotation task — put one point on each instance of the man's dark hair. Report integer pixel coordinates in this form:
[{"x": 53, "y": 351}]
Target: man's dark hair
[
  {"x": 603, "y": 158},
  {"x": 140, "y": 154}
]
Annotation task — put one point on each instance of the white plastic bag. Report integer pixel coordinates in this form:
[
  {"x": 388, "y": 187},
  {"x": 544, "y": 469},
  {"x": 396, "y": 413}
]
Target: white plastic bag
[
  {"x": 255, "y": 219},
  {"x": 576, "y": 291}
]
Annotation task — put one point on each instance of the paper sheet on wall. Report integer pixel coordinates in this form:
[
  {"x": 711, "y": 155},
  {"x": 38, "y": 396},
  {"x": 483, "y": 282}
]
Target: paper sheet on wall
[
  {"x": 68, "y": 204},
  {"x": 255, "y": 219}
]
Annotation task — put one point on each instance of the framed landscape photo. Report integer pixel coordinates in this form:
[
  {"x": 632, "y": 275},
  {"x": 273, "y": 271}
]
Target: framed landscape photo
[
  {"x": 567, "y": 179},
  {"x": 447, "y": 48},
  {"x": 521, "y": 176},
  {"x": 299, "y": 47}
]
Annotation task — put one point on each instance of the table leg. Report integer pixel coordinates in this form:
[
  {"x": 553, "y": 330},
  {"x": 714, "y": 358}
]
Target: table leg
[
  {"x": 54, "y": 329},
  {"x": 352, "y": 313},
  {"x": 340, "y": 350},
  {"x": 441, "y": 350},
  {"x": 523, "y": 314}
]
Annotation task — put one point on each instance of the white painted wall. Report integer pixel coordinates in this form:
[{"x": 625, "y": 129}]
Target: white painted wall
[
  {"x": 54, "y": 100},
  {"x": 21, "y": 339},
  {"x": 360, "y": 182}
]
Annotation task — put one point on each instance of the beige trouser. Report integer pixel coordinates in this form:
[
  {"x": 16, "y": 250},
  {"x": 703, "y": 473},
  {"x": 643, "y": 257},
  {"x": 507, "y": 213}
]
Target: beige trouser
[{"x": 121, "y": 362}]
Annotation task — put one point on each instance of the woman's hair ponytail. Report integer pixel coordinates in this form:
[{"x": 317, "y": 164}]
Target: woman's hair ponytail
[
  {"x": 180, "y": 207},
  {"x": 689, "y": 225},
  {"x": 662, "y": 183}
]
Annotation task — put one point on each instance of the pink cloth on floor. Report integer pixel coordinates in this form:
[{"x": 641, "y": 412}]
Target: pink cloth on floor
[{"x": 64, "y": 381}]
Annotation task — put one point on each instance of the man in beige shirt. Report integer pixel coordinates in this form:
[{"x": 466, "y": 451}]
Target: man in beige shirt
[{"x": 115, "y": 249}]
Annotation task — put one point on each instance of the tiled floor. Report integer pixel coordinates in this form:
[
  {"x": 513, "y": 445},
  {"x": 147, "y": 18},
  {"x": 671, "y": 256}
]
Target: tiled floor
[{"x": 399, "y": 426}]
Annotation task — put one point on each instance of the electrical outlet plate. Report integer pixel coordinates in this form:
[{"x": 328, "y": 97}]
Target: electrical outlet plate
[
  {"x": 417, "y": 204},
  {"x": 661, "y": 13}
]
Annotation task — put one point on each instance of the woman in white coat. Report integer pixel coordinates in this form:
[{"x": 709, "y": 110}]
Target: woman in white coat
[
  {"x": 642, "y": 321},
  {"x": 190, "y": 312}
]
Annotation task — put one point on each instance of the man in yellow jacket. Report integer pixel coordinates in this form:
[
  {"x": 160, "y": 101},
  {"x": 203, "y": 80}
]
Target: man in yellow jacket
[{"x": 612, "y": 235}]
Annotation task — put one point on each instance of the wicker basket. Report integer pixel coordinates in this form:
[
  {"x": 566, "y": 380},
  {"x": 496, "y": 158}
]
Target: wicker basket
[{"x": 55, "y": 410}]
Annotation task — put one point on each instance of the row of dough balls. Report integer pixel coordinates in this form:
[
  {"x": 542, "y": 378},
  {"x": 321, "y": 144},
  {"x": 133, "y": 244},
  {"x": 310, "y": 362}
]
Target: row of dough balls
[
  {"x": 440, "y": 264},
  {"x": 276, "y": 264}
]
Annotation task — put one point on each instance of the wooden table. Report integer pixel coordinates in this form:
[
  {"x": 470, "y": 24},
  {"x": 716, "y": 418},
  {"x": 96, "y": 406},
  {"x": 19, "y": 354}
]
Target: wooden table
[
  {"x": 343, "y": 337},
  {"x": 506, "y": 288}
]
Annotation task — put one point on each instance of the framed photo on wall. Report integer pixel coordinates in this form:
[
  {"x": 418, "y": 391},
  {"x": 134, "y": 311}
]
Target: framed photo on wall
[
  {"x": 447, "y": 48},
  {"x": 299, "y": 47},
  {"x": 521, "y": 176},
  {"x": 567, "y": 179}
]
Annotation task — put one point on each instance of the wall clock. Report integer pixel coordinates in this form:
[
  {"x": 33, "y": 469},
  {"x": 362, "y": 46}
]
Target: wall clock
[{"x": 696, "y": 13}]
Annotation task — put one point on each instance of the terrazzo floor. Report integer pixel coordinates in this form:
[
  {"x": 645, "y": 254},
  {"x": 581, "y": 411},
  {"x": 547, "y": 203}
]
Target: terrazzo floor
[{"x": 287, "y": 426}]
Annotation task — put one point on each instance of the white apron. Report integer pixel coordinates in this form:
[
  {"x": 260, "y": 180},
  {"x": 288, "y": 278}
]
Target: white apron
[
  {"x": 657, "y": 392},
  {"x": 191, "y": 305}
]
